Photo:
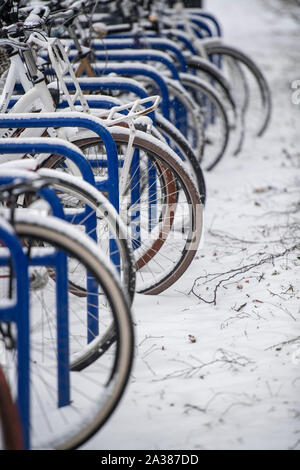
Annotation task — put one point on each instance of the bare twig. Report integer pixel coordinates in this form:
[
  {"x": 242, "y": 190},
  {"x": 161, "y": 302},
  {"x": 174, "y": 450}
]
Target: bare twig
[
  {"x": 235, "y": 404},
  {"x": 224, "y": 235},
  {"x": 223, "y": 357},
  {"x": 233, "y": 273},
  {"x": 193, "y": 407},
  {"x": 284, "y": 343}
]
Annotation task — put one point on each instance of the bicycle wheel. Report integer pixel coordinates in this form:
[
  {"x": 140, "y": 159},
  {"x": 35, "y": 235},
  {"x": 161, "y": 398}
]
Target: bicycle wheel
[
  {"x": 226, "y": 90},
  {"x": 160, "y": 204},
  {"x": 180, "y": 145},
  {"x": 11, "y": 437},
  {"x": 260, "y": 102},
  {"x": 96, "y": 390},
  {"x": 217, "y": 126},
  {"x": 210, "y": 73},
  {"x": 185, "y": 114}
]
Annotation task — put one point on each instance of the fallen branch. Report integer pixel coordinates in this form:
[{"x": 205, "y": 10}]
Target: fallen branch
[
  {"x": 234, "y": 273},
  {"x": 284, "y": 343},
  {"x": 233, "y": 360}
]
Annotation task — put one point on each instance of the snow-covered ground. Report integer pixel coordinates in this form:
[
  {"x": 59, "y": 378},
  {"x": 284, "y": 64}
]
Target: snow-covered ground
[{"x": 227, "y": 376}]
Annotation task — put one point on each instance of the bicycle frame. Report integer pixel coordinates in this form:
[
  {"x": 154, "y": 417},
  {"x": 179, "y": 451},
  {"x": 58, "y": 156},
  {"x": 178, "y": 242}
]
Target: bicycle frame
[
  {"x": 35, "y": 94},
  {"x": 16, "y": 73}
]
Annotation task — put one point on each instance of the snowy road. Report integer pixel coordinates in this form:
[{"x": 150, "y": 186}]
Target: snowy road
[{"x": 227, "y": 376}]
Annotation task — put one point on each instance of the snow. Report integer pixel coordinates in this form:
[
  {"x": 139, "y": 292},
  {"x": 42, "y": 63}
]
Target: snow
[{"x": 227, "y": 376}]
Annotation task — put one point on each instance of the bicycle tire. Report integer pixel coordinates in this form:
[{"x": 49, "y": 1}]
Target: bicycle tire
[
  {"x": 177, "y": 141},
  {"x": 194, "y": 118},
  {"x": 64, "y": 435},
  {"x": 214, "y": 75},
  {"x": 218, "y": 48},
  {"x": 222, "y": 135}
]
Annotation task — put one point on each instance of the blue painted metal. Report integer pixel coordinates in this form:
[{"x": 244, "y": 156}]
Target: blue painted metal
[
  {"x": 111, "y": 185},
  {"x": 62, "y": 326},
  {"x": 152, "y": 195},
  {"x": 56, "y": 146},
  {"x": 44, "y": 145},
  {"x": 121, "y": 56},
  {"x": 46, "y": 194},
  {"x": 164, "y": 45},
  {"x": 93, "y": 84},
  {"x": 75, "y": 120},
  {"x": 152, "y": 43},
  {"x": 211, "y": 18},
  {"x": 58, "y": 261},
  {"x": 139, "y": 56},
  {"x": 130, "y": 35},
  {"x": 61, "y": 297},
  {"x": 183, "y": 39},
  {"x": 18, "y": 313},
  {"x": 135, "y": 200},
  {"x": 164, "y": 33},
  {"x": 202, "y": 25},
  {"x": 93, "y": 310},
  {"x": 93, "y": 103}
]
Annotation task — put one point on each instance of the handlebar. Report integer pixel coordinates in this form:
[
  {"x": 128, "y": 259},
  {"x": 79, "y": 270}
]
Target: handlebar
[
  {"x": 37, "y": 17},
  {"x": 14, "y": 44}
]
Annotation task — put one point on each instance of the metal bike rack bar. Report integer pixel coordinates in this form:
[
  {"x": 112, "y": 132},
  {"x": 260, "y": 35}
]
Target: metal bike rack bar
[
  {"x": 137, "y": 55},
  {"x": 17, "y": 313},
  {"x": 136, "y": 43},
  {"x": 111, "y": 185},
  {"x": 91, "y": 83},
  {"x": 208, "y": 16}
]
